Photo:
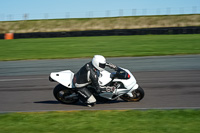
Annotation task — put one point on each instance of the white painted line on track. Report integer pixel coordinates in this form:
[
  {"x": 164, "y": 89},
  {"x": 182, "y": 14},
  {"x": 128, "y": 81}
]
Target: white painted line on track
[{"x": 9, "y": 80}]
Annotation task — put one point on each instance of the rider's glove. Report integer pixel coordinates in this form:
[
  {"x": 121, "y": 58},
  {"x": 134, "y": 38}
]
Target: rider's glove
[{"x": 111, "y": 66}]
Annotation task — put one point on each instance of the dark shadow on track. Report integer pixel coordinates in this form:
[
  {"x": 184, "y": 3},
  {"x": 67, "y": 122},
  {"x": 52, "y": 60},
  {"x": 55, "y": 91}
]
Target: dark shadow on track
[{"x": 78, "y": 103}]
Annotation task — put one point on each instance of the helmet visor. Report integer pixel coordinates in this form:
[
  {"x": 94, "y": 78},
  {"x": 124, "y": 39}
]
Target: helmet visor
[{"x": 102, "y": 65}]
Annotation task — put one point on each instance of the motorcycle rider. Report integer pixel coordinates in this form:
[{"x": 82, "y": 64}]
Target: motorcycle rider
[{"x": 89, "y": 74}]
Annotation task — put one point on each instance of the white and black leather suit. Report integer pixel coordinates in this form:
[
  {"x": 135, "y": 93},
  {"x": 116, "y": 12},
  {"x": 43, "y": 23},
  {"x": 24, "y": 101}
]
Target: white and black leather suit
[{"x": 88, "y": 74}]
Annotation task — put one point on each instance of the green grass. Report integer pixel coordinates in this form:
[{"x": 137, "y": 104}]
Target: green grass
[
  {"x": 109, "y": 46},
  {"x": 127, "y": 121}
]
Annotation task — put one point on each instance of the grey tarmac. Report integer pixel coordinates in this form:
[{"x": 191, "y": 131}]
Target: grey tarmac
[{"x": 169, "y": 82}]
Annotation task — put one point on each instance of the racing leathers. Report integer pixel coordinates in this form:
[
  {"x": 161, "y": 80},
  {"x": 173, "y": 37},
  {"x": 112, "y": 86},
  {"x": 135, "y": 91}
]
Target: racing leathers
[{"x": 88, "y": 74}]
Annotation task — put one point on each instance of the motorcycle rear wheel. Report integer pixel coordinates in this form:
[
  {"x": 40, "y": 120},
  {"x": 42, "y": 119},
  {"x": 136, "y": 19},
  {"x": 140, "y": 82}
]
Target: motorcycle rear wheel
[
  {"x": 62, "y": 94},
  {"x": 138, "y": 95}
]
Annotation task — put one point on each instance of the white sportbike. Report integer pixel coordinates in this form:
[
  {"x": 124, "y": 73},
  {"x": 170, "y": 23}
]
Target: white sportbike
[{"x": 120, "y": 84}]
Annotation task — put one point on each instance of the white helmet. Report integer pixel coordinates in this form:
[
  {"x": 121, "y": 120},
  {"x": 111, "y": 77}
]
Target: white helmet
[{"x": 99, "y": 62}]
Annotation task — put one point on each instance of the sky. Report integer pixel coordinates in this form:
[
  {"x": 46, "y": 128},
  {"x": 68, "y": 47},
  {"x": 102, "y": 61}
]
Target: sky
[{"x": 46, "y": 9}]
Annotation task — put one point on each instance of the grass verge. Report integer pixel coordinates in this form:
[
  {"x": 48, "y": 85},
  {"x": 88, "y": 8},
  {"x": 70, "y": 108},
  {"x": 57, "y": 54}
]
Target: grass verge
[
  {"x": 109, "y": 46},
  {"x": 84, "y": 24},
  {"x": 127, "y": 121}
]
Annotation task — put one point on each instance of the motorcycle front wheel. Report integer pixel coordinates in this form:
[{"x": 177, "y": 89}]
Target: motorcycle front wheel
[
  {"x": 138, "y": 95},
  {"x": 65, "y": 95}
]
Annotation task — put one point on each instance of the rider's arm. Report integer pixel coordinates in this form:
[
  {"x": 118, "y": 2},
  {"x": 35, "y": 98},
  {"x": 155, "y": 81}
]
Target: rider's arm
[{"x": 112, "y": 66}]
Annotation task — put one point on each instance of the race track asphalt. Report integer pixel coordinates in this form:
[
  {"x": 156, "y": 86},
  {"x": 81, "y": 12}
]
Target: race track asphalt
[{"x": 169, "y": 82}]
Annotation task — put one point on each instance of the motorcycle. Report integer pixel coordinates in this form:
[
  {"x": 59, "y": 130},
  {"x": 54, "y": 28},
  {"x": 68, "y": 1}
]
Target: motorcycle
[{"x": 120, "y": 84}]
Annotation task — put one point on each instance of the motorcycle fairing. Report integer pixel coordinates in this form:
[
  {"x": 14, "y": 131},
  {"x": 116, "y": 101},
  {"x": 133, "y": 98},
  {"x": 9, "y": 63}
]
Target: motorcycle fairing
[
  {"x": 129, "y": 84},
  {"x": 105, "y": 78},
  {"x": 63, "y": 77}
]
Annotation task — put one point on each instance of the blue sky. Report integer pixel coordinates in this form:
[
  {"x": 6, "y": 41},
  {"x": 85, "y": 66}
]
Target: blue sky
[{"x": 93, "y": 8}]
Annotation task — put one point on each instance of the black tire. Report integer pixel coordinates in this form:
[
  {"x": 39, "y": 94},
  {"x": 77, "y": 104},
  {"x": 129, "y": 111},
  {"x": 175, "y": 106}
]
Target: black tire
[
  {"x": 138, "y": 95},
  {"x": 61, "y": 93}
]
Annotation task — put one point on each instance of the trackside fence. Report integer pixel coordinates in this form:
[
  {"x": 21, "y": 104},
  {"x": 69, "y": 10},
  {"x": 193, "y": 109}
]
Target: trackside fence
[{"x": 116, "y": 32}]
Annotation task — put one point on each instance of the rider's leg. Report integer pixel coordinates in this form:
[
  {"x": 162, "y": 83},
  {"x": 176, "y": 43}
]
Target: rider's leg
[{"x": 86, "y": 96}]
